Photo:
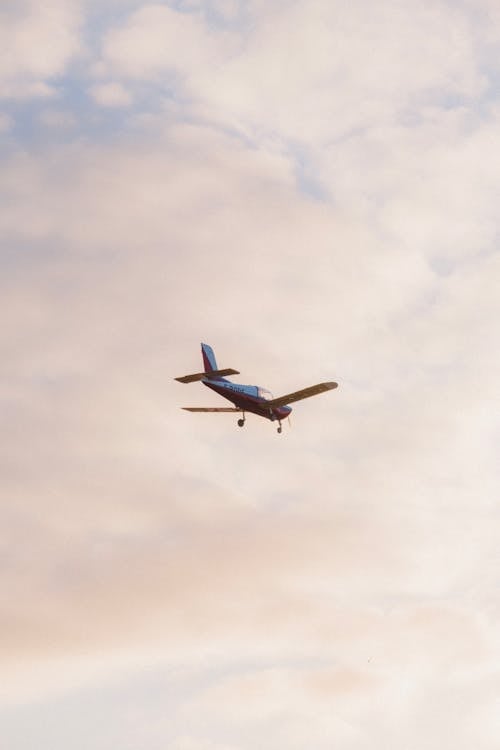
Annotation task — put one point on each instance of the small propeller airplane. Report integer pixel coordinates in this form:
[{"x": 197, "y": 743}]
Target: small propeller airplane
[{"x": 246, "y": 398}]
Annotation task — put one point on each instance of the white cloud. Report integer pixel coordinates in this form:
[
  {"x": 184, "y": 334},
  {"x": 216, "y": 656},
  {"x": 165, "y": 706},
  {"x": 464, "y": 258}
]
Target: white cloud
[
  {"x": 156, "y": 40},
  {"x": 37, "y": 43},
  {"x": 310, "y": 72}
]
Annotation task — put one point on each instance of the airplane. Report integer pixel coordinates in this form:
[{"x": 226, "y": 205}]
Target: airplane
[{"x": 246, "y": 398}]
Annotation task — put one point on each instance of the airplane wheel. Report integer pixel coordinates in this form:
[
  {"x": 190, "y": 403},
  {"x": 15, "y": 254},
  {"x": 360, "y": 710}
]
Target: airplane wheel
[
  {"x": 241, "y": 422},
  {"x": 279, "y": 429}
]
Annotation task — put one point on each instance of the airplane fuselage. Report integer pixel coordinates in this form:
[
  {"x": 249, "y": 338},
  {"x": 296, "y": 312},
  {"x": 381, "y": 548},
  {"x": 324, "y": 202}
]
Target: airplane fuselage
[{"x": 248, "y": 398}]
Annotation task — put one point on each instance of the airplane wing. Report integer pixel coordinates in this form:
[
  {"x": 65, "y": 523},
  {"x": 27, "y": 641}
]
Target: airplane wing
[
  {"x": 213, "y": 373},
  {"x": 313, "y": 390},
  {"x": 209, "y": 408}
]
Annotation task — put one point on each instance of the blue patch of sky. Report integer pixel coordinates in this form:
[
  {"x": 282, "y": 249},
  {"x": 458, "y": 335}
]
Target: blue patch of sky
[
  {"x": 101, "y": 18},
  {"x": 474, "y": 109},
  {"x": 30, "y": 130},
  {"x": 87, "y": 120},
  {"x": 213, "y": 12},
  {"x": 306, "y": 174}
]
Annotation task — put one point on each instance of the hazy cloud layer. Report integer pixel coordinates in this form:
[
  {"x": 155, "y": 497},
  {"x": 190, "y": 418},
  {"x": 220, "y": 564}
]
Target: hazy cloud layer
[{"x": 311, "y": 187}]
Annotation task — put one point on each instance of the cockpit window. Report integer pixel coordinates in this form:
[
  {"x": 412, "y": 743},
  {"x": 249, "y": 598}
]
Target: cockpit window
[{"x": 263, "y": 393}]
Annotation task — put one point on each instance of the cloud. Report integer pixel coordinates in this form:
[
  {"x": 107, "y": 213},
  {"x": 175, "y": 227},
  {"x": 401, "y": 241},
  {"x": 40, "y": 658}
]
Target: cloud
[
  {"x": 156, "y": 39},
  {"x": 111, "y": 95},
  {"x": 38, "y": 42},
  {"x": 428, "y": 186},
  {"x": 308, "y": 73}
]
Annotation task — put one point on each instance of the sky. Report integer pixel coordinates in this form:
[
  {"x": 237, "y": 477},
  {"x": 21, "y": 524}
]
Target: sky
[{"x": 311, "y": 187}]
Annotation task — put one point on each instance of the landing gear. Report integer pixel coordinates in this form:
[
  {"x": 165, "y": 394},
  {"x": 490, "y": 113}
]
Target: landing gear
[
  {"x": 241, "y": 422},
  {"x": 279, "y": 428}
]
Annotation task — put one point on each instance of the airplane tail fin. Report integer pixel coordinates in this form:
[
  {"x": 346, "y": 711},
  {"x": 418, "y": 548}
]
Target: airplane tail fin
[
  {"x": 210, "y": 368},
  {"x": 209, "y": 361}
]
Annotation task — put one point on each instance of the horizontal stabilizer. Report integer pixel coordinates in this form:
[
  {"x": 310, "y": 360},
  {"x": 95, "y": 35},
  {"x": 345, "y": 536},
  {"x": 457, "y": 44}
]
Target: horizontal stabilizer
[
  {"x": 213, "y": 374},
  {"x": 209, "y": 408},
  {"x": 313, "y": 390}
]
